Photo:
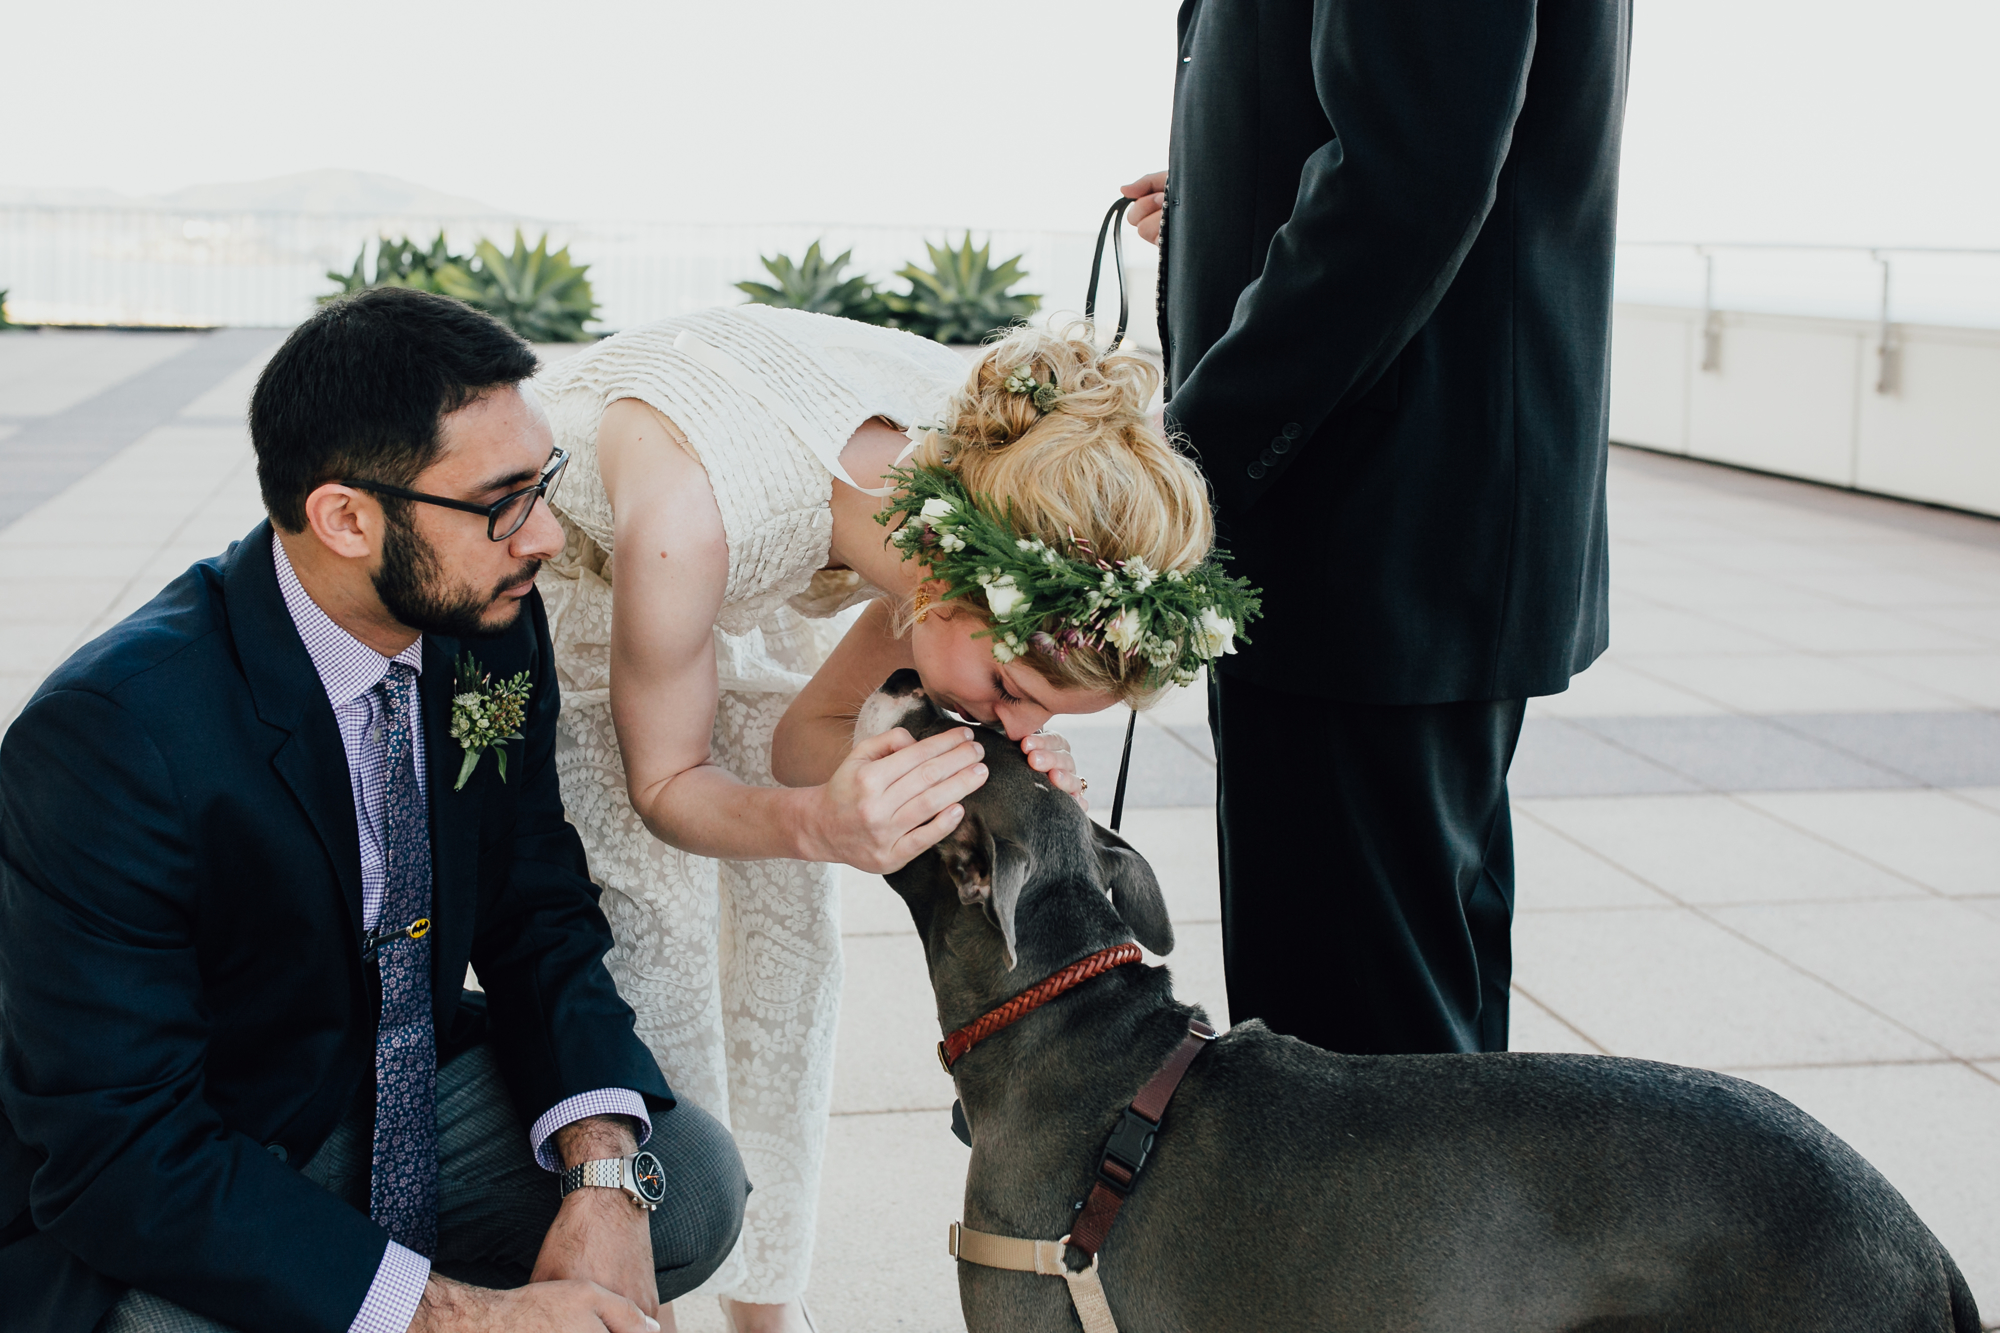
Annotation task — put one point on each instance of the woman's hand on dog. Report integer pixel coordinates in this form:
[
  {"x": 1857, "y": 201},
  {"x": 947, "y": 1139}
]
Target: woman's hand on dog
[
  {"x": 1048, "y": 754},
  {"x": 894, "y": 797}
]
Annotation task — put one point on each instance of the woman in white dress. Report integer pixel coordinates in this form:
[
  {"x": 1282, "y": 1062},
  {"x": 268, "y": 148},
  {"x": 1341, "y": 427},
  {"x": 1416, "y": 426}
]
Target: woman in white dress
[{"x": 727, "y": 471}]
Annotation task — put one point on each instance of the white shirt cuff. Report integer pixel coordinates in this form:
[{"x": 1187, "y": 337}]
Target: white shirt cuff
[
  {"x": 604, "y": 1101},
  {"x": 393, "y": 1297}
]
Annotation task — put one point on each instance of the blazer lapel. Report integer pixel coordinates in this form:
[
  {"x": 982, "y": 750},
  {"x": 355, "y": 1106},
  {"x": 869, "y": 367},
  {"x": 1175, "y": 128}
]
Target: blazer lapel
[
  {"x": 288, "y": 695},
  {"x": 454, "y": 822}
]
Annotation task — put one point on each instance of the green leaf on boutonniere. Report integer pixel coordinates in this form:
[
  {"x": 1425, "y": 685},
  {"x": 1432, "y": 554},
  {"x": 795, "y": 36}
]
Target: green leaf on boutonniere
[{"x": 485, "y": 716}]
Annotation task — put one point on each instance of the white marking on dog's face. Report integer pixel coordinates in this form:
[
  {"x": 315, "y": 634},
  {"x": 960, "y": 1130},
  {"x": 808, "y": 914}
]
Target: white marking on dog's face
[{"x": 881, "y": 712}]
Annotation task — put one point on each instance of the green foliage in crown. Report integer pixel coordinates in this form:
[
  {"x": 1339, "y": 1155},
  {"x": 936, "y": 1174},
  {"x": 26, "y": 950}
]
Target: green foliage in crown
[{"x": 1052, "y": 601}]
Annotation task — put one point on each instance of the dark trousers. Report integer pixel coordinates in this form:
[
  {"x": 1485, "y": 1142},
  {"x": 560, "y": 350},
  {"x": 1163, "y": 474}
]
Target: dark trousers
[
  {"x": 1367, "y": 868},
  {"x": 495, "y": 1203}
]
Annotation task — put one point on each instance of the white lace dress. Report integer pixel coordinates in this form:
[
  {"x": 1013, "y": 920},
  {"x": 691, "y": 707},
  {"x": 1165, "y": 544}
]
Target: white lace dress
[{"x": 733, "y": 967}]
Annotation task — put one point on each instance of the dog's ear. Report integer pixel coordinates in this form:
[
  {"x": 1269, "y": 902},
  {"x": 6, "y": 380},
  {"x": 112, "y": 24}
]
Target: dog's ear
[
  {"x": 1134, "y": 890},
  {"x": 987, "y": 870}
]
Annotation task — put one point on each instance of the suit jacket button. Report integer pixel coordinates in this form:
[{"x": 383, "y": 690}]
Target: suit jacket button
[
  {"x": 1256, "y": 471},
  {"x": 277, "y": 1150},
  {"x": 1267, "y": 458},
  {"x": 1281, "y": 445},
  {"x": 1291, "y": 430}
]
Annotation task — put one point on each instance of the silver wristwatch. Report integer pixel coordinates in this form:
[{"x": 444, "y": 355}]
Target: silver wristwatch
[{"x": 639, "y": 1176}]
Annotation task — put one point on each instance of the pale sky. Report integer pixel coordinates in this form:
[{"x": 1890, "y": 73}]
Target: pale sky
[{"x": 1792, "y": 120}]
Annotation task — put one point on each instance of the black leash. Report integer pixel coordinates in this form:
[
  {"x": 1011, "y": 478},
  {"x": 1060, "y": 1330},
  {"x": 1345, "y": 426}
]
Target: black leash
[
  {"x": 1124, "y": 767},
  {"x": 1110, "y": 228}
]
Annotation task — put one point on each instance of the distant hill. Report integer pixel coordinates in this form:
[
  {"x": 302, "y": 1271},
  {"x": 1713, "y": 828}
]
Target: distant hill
[{"x": 330, "y": 190}]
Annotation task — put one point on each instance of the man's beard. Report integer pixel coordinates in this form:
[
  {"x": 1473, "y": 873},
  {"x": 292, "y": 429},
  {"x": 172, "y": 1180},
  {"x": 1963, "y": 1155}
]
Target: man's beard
[{"x": 411, "y": 583}]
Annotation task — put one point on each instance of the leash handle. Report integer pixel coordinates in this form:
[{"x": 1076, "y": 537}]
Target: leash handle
[
  {"x": 1124, "y": 768},
  {"x": 1109, "y": 227}
]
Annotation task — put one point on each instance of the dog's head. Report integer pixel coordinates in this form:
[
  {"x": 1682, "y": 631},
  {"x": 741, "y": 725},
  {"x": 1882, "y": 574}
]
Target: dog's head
[{"x": 1026, "y": 871}]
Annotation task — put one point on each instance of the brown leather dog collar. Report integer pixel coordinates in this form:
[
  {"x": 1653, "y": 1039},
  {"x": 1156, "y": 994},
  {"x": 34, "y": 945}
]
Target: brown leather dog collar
[{"x": 954, "y": 1046}]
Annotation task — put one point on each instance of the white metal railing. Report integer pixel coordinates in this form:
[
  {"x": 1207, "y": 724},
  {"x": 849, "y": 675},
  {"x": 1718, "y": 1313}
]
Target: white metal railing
[
  {"x": 1889, "y": 285},
  {"x": 180, "y": 267}
]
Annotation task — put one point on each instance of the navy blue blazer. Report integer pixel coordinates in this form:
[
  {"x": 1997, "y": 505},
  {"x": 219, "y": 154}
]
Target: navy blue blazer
[
  {"x": 184, "y": 1010},
  {"x": 1386, "y": 301}
]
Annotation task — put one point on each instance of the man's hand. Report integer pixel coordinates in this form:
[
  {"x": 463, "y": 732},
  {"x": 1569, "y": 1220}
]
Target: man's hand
[
  {"x": 600, "y": 1237},
  {"x": 1147, "y": 214},
  {"x": 540, "y": 1307},
  {"x": 892, "y": 797}
]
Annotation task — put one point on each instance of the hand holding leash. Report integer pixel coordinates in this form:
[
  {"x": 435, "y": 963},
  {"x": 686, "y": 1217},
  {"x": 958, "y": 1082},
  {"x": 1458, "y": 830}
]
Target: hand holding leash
[{"x": 1146, "y": 215}]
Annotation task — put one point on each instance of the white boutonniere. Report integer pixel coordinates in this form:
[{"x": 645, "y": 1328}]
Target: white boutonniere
[{"x": 485, "y": 716}]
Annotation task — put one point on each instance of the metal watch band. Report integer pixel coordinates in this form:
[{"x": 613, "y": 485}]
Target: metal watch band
[
  {"x": 637, "y": 1177},
  {"x": 606, "y": 1174}
]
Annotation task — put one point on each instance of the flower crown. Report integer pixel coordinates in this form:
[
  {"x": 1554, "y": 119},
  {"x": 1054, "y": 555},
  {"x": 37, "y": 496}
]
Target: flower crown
[{"x": 1052, "y": 602}]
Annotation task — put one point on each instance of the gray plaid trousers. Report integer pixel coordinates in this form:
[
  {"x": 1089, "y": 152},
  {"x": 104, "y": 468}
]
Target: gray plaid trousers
[{"x": 495, "y": 1203}]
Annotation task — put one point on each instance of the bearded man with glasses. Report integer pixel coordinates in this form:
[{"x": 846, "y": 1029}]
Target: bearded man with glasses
[{"x": 250, "y": 840}]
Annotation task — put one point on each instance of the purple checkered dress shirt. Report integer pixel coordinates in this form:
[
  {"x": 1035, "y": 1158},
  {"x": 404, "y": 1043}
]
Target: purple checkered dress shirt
[{"x": 350, "y": 670}]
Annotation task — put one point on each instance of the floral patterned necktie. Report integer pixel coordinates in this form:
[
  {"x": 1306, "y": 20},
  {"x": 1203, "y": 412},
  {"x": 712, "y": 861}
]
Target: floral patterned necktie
[{"x": 403, "y": 1184}]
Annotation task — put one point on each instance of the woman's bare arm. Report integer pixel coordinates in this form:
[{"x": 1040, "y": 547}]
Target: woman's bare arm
[
  {"x": 882, "y": 804},
  {"x": 817, "y": 730}
]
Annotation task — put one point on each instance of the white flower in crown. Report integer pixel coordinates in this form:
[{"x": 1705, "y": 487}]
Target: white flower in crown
[
  {"x": 937, "y": 509},
  {"x": 1004, "y": 597},
  {"x": 1125, "y": 629},
  {"x": 950, "y": 541},
  {"x": 1141, "y": 575},
  {"x": 1214, "y": 635}
]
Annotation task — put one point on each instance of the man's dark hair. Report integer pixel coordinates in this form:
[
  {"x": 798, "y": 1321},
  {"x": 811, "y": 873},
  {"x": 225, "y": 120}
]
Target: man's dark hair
[{"x": 358, "y": 391}]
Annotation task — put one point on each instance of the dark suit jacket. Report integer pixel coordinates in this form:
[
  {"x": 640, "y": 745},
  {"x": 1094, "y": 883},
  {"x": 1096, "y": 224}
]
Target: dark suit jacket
[
  {"x": 183, "y": 1005},
  {"x": 1386, "y": 301}
]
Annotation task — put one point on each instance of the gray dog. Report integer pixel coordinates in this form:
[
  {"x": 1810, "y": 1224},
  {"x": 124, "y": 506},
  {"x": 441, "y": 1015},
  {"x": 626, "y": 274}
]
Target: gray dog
[{"x": 1294, "y": 1188}]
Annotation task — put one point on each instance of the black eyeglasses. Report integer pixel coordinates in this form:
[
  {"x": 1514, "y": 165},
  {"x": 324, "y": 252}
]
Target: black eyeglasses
[{"x": 504, "y": 516}]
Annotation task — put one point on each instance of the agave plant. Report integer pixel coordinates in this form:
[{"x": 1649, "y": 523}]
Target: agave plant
[
  {"x": 963, "y": 296},
  {"x": 815, "y": 284},
  {"x": 541, "y": 296},
  {"x": 398, "y": 263}
]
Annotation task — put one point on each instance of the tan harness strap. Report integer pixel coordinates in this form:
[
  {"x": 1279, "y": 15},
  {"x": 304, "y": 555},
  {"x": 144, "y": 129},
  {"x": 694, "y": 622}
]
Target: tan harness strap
[
  {"x": 1045, "y": 1257},
  {"x": 1118, "y": 1170},
  {"x": 1023, "y": 1256}
]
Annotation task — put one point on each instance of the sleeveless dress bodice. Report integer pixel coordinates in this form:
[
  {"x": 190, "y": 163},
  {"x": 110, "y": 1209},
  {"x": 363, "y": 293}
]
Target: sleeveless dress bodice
[{"x": 826, "y": 376}]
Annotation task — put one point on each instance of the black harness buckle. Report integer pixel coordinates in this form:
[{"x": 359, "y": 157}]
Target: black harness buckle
[{"x": 1125, "y": 1155}]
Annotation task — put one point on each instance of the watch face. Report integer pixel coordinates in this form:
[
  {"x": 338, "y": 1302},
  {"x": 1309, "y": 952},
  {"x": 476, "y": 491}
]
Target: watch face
[{"x": 648, "y": 1178}]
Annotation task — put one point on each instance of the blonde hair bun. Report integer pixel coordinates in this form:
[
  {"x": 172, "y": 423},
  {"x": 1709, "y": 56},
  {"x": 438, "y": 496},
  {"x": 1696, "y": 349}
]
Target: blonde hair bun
[{"x": 1092, "y": 468}]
